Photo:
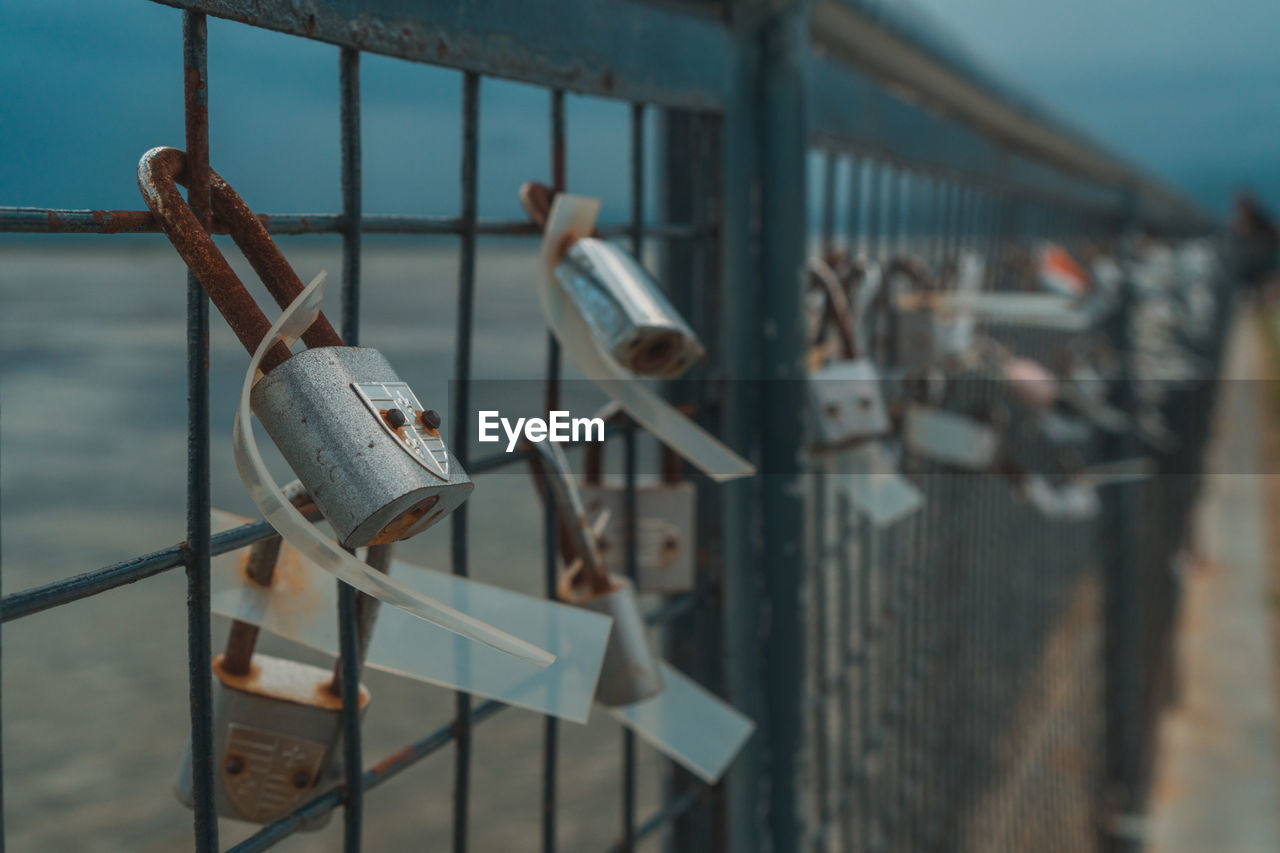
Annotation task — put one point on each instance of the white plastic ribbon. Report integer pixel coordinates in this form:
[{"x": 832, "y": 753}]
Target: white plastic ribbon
[
  {"x": 300, "y": 603},
  {"x": 572, "y": 218},
  {"x": 314, "y": 545},
  {"x": 688, "y": 724}
]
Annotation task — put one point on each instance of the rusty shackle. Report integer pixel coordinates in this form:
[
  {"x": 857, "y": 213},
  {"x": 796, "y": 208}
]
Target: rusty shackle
[{"x": 160, "y": 171}]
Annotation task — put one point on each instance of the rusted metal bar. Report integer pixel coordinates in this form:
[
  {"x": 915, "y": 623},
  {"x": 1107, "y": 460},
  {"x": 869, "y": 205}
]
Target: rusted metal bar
[{"x": 47, "y": 220}]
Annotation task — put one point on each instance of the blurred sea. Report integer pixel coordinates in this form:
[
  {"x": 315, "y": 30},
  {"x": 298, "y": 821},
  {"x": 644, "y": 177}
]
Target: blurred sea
[{"x": 93, "y": 470}]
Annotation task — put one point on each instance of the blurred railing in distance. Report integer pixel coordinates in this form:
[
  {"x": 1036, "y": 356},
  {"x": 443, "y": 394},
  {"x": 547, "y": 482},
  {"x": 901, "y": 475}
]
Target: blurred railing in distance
[{"x": 976, "y": 676}]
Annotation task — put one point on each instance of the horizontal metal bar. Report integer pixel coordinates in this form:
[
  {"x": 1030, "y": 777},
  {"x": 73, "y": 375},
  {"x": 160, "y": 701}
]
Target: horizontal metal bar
[
  {"x": 41, "y": 220},
  {"x": 29, "y": 601},
  {"x": 884, "y": 43},
  {"x": 633, "y": 51},
  {"x": 851, "y": 110}
]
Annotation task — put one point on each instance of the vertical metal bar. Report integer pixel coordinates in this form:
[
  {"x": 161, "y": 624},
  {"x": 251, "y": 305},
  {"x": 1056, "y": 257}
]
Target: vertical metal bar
[
  {"x": 783, "y": 138},
  {"x": 348, "y": 631},
  {"x": 828, "y": 191},
  {"x": 856, "y": 165},
  {"x": 461, "y": 406},
  {"x": 742, "y": 297},
  {"x": 629, "y": 483},
  {"x": 199, "y": 641},
  {"x": 550, "y": 726}
]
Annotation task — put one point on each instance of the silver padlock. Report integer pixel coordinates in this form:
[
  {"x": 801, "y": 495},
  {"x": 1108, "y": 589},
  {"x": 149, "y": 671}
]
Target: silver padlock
[
  {"x": 627, "y": 312},
  {"x": 630, "y": 672},
  {"x": 276, "y": 722},
  {"x": 666, "y": 520},
  {"x": 370, "y": 454},
  {"x": 846, "y": 399}
]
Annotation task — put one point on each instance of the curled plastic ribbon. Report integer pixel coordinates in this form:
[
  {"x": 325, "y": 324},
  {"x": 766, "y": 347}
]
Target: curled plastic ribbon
[
  {"x": 314, "y": 545},
  {"x": 572, "y": 218}
]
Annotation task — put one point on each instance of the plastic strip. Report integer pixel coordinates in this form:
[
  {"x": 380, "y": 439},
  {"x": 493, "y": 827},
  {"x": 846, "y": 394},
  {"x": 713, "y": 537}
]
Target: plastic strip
[
  {"x": 689, "y": 725},
  {"x": 300, "y": 603},
  {"x": 572, "y": 218},
  {"x": 313, "y": 544},
  {"x": 876, "y": 489}
]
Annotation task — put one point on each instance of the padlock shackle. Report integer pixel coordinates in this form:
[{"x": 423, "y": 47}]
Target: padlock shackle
[
  {"x": 836, "y": 305},
  {"x": 160, "y": 171},
  {"x": 536, "y": 198},
  {"x": 550, "y": 468}
]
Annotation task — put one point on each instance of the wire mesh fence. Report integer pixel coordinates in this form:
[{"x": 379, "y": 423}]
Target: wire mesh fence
[{"x": 974, "y": 676}]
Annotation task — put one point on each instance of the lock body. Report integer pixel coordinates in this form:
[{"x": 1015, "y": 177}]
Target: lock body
[
  {"x": 274, "y": 736},
  {"x": 377, "y": 476},
  {"x": 626, "y": 310},
  {"x": 666, "y": 516},
  {"x": 915, "y": 338},
  {"x": 630, "y": 670},
  {"x": 846, "y": 402},
  {"x": 950, "y": 438}
]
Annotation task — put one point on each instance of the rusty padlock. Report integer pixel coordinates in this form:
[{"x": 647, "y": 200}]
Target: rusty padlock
[
  {"x": 276, "y": 722},
  {"x": 846, "y": 398},
  {"x": 366, "y": 449},
  {"x": 627, "y": 312},
  {"x": 630, "y": 671},
  {"x": 666, "y": 521}
]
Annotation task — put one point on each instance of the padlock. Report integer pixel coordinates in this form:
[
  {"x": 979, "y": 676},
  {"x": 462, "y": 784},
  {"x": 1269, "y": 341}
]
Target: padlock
[
  {"x": 630, "y": 672},
  {"x": 276, "y": 722},
  {"x": 954, "y": 328},
  {"x": 627, "y": 312},
  {"x": 912, "y": 332},
  {"x": 846, "y": 400},
  {"x": 666, "y": 519},
  {"x": 367, "y": 450}
]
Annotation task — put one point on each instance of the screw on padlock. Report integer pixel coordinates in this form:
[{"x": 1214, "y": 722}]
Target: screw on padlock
[
  {"x": 846, "y": 400},
  {"x": 665, "y": 521},
  {"x": 276, "y": 722},
  {"x": 626, "y": 310},
  {"x": 630, "y": 671},
  {"x": 368, "y": 452}
]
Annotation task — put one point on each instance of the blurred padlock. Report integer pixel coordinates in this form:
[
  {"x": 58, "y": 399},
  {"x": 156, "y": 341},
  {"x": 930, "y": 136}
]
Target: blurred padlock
[
  {"x": 627, "y": 312},
  {"x": 630, "y": 671},
  {"x": 276, "y": 722},
  {"x": 356, "y": 436},
  {"x": 912, "y": 320},
  {"x": 846, "y": 399},
  {"x": 666, "y": 521}
]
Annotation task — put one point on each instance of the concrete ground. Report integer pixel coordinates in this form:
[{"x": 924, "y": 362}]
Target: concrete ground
[{"x": 1218, "y": 774}]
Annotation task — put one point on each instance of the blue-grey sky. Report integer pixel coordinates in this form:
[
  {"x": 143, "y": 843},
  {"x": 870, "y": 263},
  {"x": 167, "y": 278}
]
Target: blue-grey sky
[{"x": 1189, "y": 89}]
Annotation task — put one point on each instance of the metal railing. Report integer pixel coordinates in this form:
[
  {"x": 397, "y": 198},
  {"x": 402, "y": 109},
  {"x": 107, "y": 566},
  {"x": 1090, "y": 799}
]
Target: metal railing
[{"x": 895, "y": 708}]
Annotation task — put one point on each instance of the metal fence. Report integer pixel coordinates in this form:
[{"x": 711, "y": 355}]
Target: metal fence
[{"x": 939, "y": 684}]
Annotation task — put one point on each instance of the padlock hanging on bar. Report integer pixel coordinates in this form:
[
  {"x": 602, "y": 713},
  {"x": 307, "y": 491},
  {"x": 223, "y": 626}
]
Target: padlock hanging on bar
[
  {"x": 369, "y": 453},
  {"x": 666, "y": 519},
  {"x": 276, "y": 722},
  {"x": 369, "y": 456},
  {"x": 630, "y": 671},
  {"x": 670, "y": 711},
  {"x": 568, "y": 221},
  {"x": 626, "y": 309},
  {"x": 846, "y": 399}
]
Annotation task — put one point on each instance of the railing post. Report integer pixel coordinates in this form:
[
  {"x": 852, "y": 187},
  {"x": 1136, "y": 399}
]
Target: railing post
[{"x": 782, "y": 134}]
